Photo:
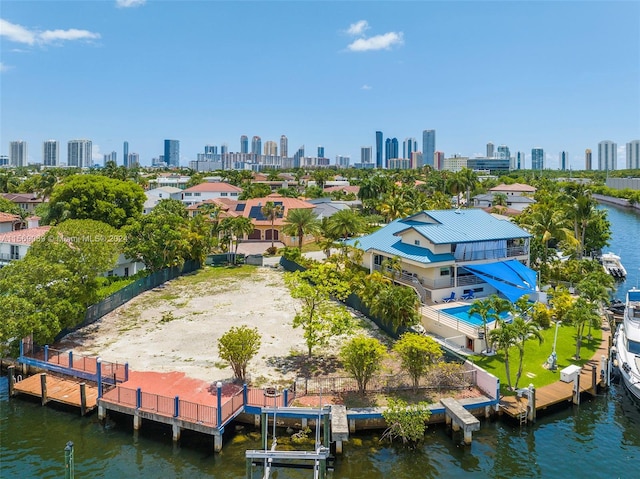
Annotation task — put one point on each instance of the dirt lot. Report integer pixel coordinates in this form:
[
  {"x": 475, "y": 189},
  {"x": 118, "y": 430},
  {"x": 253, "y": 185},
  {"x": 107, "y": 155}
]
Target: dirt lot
[{"x": 176, "y": 327}]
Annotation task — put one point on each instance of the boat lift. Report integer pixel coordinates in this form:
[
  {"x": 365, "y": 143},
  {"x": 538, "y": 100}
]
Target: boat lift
[{"x": 318, "y": 460}]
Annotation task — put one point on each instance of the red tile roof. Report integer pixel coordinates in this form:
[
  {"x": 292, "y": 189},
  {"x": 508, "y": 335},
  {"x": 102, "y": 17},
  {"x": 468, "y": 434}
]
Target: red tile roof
[
  {"x": 8, "y": 217},
  {"x": 215, "y": 187},
  {"x": 26, "y": 236},
  {"x": 346, "y": 189},
  {"x": 514, "y": 187}
]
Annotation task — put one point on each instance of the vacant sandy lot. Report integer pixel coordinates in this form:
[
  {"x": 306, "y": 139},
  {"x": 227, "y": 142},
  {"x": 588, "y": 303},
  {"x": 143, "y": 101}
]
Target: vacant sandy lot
[{"x": 176, "y": 327}]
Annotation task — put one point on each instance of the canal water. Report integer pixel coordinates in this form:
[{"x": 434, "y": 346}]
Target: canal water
[{"x": 598, "y": 439}]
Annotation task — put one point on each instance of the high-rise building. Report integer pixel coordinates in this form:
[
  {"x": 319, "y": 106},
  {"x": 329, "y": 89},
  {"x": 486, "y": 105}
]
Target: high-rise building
[
  {"x": 284, "y": 146},
  {"x": 18, "y": 153},
  {"x": 298, "y": 157},
  {"x": 520, "y": 160},
  {"x": 224, "y": 149},
  {"x": 428, "y": 147},
  {"x": 537, "y": 159},
  {"x": 270, "y": 148},
  {"x": 587, "y": 160},
  {"x": 365, "y": 154},
  {"x": 503, "y": 152},
  {"x": 79, "y": 153},
  {"x": 607, "y": 155},
  {"x": 490, "y": 150},
  {"x": 133, "y": 160},
  {"x": 379, "y": 147},
  {"x": 633, "y": 155},
  {"x": 210, "y": 150},
  {"x": 256, "y": 145},
  {"x": 438, "y": 160},
  {"x": 320, "y": 151},
  {"x": 390, "y": 150},
  {"x": 125, "y": 154},
  {"x": 4, "y": 160},
  {"x": 244, "y": 144},
  {"x": 564, "y": 160},
  {"x": 50, "y": 153},
  {"x": 409, "y": 145},
  {"x": 343, "y": 161},
  {"x": 172, "y": 152},
  {"x": 113, "y": 156}
]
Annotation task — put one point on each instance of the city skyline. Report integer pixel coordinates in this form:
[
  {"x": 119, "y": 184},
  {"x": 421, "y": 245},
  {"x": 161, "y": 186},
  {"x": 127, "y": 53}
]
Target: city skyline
[{"x": 342, "y": 84}]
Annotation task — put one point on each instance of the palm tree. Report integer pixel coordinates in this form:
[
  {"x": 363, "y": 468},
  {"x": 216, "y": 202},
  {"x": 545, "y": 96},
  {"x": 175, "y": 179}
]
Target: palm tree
[
  {"x": 523, "y": 331},
  {"x": 484, "y": 309},
  {"x": 500, "y": 199},
  {"x": 344, "y": 223},
  {"x": 504, "y": 338},
  {"x": 500, "y": 306},
  {"x": 271, "y": 211},
  {"x": 299, "y": 222},
  {"x": 395, "y": 206},
  {"x": 469, "y": 179},
  {"x": 240, "y": 226},
  {"x": 581, "y": 314},
  {"x": 456, "y": 185},
  {"x": 392, "y": 267}
]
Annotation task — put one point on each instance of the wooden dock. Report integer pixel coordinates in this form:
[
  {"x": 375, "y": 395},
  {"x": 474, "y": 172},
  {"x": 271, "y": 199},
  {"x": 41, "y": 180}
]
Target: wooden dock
[
  {"x": 59, "y": 390},
  {"x": 559, "y": 391}
]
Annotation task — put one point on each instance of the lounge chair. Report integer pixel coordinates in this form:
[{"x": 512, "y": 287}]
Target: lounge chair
[
  {"x": 450, "y": 298},
  {"x": 469, "y": 295}
]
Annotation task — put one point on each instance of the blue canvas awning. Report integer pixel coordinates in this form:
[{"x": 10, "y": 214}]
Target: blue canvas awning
[{"x": 511, "y": 278}]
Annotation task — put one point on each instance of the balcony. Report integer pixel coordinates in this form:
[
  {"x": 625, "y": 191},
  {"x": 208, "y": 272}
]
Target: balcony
[{"x": 497, "y": 254}]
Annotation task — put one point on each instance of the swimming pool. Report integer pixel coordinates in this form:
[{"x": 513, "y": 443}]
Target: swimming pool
[{"x": 462, "y": 313}]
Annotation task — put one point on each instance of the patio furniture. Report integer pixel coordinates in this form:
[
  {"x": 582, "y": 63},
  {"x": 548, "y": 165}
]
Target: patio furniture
[{"x": 450, "y": 298}]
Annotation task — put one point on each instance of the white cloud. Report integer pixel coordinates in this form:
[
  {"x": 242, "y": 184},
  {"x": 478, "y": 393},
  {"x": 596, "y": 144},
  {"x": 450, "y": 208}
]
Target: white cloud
[
  {"x": 129, "y": 3},
  {"x": 4, "y": 67},
  {"x": 377, "y": 42},
  {"x": 20, "y": 34},
  {"x": 16, "y": 33},
  {"x": 358, "y": 28},
  {"x": 366, "y": 87}
]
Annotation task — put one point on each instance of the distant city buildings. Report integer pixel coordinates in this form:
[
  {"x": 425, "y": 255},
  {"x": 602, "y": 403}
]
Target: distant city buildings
[
  {"x": 244, "y": 144},
  {"x": 365, "y": 154},
  {"x": 379, "y": 150},
  {"x": 343, "y": 161},
  {"x": 79, "y": 153},
  {"x": 409, "y": 145},
  {"x": 18, "y": 153},
  {"x": 520, "y": 160},
  {"x": 564, "y": 160},
  {"x": 270, "y": 148},
  {"x": 320, "y": 151},
  {"x": 428, "y": 148},
  {"x": 284, "y": 146},
  {"x": 50, "y": 153},
  {"x": 537, "y": 159},
  {"x": 633, "y": 155},
  {"x": 438, "y": 160},
  {"x": 390, "y": 150},
  {"x": 172, "y": 153},
  {"x": 113, "y": 156},
  {"x": 607, "y": 155},
  {"x": 256, "y": 145},
  {"x": 587, "y": 160},
  {"x": 504, "y": 153},
  {"x": 490, "y": 150},
  {"x": 125, "y": 154}
]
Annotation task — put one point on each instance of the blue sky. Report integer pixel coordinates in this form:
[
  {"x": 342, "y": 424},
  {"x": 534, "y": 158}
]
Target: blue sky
[{"x": 556, "y": 75}]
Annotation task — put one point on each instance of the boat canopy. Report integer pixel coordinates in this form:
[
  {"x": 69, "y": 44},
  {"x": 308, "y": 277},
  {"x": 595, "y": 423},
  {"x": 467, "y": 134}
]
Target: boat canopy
[{"x": 511, "y": 278}]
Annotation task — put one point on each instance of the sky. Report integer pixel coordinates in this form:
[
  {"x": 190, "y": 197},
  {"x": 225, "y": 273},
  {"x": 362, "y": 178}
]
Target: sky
[{"x": 562, "y": 76}]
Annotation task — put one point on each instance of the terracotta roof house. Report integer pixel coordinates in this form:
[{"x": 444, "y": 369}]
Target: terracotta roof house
[
  {"x": 15, "y": 244},
  {"x": 209, "y": 191},
  {"x": 450, "y": 254},
  {"x": 26, "y": 201},
  {"x": 514, "y": 189},
  {"x": 346, "y": 189},
  {"x": 516, "y": 203},
  {"x": 9, "y": 222}
]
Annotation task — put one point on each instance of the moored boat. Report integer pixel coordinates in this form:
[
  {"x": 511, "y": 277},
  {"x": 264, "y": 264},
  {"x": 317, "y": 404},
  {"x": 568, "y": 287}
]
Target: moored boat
[
  {"x": 613, "y": 265},
  {"x": 627, "y": 343}
]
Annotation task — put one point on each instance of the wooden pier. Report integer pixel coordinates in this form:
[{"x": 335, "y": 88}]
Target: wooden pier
[
  {"x": 59, "y": 390},
  {"x": 589, "y": 381}
]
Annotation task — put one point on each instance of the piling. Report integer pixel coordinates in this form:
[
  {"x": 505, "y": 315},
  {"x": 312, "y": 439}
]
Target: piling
[
  {"x": 12, "y": 379},
  {"x": 83, "y": 399},
  {"x": 43, "y": 387}
]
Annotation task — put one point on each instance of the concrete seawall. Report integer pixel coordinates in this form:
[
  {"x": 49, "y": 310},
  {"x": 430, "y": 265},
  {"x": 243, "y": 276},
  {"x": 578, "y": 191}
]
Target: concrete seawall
[{"x": 616, "y": 201}]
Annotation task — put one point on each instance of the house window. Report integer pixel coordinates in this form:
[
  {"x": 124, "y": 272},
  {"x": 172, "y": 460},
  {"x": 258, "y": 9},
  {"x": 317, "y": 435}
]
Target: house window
[
  {"x": 234, "y": 194},
  {"x": 187, "y": 194},
  {"x": 15, "y": 251},
  {"x": 224, "y": 194},
  {"x": 126, "y": 272},
  {"x": 416, "y": 242},
  {"x": 378, "y": 259},
  {"x": 445, "y": 271},
  {"x": 196, "y": 194}
]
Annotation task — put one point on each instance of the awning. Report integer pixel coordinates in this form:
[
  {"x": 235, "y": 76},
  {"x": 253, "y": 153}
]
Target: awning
[{"x": 511, "y": 278}]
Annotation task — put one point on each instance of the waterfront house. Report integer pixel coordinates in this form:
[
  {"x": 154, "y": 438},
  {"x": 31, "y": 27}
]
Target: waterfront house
[
  {"x": 209, "y": 191},
  {"x": 518, "y": 196},
  {"x": 156, "y": 195},
  {"x": 451, "y": 254},
  {"x": 26, "y": 201}
]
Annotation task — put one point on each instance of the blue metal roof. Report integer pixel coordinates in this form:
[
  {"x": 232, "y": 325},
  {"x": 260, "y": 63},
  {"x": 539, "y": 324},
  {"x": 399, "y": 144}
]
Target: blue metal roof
[{"x": 450, "y": 227}]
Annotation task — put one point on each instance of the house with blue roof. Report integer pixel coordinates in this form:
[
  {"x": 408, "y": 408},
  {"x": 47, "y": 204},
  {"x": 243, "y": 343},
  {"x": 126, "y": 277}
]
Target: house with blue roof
[{"x": 442, "y": 252}]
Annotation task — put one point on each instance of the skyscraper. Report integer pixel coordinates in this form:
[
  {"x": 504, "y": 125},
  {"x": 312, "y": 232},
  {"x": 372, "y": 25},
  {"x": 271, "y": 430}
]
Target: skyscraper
[
  {"x": 256, "y": 145},
  {"x": 537, "y": 159},
  {"x": 633, "y": 155},
  {"x": 343, "y": 161},
  {"x": 320, "y": 151},
  {"x": 520, "y": 160},
  {"x": 564, "y": 160},
  {"x": 172, "y": 152},
  {"x": 390, "y": 150},
  {"x": 113, "y": 156},
  {"x": 490, "y": 151},
  {"x": 244, "y": 144},
  {"x": 50, "y": 153},
  {"x": 79, "y": 153},
  {"x": 587, "y": 160},
  {"x": 504, "y": 152},
  {"x": 297, "y": 158},
  {"x": 18, "y": 153},
  {"x": 607, "y": 155},
  {"x": 270, "y": 148},
  {"x": 365, "y": 154},
  {"x": 133, "y": 160},
  {"x": 224, "y": 149},
  {"x": 210, "y": 150},
  {"x": 284, "y": 147},
  {"x": 409, "y": 145},
  {"x": 125, "y": 154},
  {"x": 379, "y": 141},
  {"x": 438, "y": 160},
  {"x": 428, "y": 147}
]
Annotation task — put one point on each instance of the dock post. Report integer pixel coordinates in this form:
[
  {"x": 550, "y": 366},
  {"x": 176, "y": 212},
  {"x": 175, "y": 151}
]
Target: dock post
[
  {"x": 245, "y": 394},
  {"x": 219, "y": 397},
  {"x": 83, "y": 399},
  {"x": 126, "y": 372},
  {"x": 43, "y": 387},
  {"x": 217, "y": 441},
  {"x": 603, "y": 371},
  {"x": 352, "y": 426},
  {"x": 46, "y": 353},
  {"x": 576, "y": 390},
  {"x": 532, "y": 404},
  {"x": 69, "y": 472},
  {"x": 264, "y": 423},
  {"x": 468, "y": 436},
  {"x": 285, "y": 395},
  {"x": 101, "y": 412},
  {"x": 12, "y": 379},
  {"x": 99, "y": 376},
  {"x": 326, "y": 427},
  {"x": 176, "y": 406},
  {"x": 71, "y": 359},
  {"x": 176, "y": 429},
  {"x": 137, "y": 420},
  {"x": 248, "y": 468},
  {"x": 594, "y": 380}
]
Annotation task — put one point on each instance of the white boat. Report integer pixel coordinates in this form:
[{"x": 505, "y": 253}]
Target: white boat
[
  {"x": 612, "y": 265},
  {"x": 627, "y": 343}
]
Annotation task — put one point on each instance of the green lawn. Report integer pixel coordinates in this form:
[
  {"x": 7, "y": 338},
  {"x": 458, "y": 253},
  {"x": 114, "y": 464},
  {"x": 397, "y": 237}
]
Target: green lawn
[{"x": 536, "y": 355}]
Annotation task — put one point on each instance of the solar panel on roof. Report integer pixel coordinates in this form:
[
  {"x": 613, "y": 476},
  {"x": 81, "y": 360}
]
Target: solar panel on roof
[
  {"x": 240, "y": 207},
  {"x": 256, "y": 213}
]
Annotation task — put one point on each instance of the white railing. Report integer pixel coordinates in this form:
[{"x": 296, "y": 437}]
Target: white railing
[{"x": 450, "y": 321}]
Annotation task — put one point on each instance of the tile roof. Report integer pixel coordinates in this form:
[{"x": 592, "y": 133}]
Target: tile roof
[
  {"x": 23, "y": 197},
  {"x": 8, "y": 217},
  {"x": 347, "y": 189},
  {"x": 447, "y": 227},
  {"x": 24, "y": 237},
  {"x": 514, "y": 187},
  {"x": 215, "y": 187}
]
